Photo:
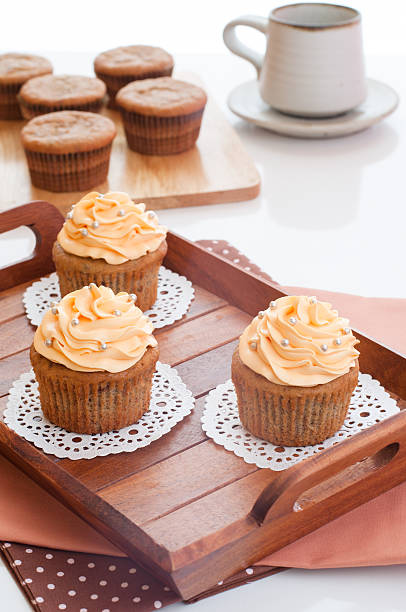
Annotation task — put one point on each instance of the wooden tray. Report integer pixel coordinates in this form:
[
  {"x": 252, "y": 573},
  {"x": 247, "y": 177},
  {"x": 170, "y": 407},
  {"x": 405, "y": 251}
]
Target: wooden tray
[
  {"x": 183, "y": 506},
  {"x": 216, "y": 170}
]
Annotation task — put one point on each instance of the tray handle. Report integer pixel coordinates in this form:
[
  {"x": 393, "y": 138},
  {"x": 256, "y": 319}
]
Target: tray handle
[
  {"x": 317, "y": 478},
  {"x": 45, "y": 221}
]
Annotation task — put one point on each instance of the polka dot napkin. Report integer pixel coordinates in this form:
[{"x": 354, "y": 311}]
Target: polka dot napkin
[
  {"x": 56, "y": 580},
  {"x": 226, "y": 250}
]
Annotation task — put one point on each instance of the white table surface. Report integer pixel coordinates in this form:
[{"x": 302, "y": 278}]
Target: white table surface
[{"x": 331, "y": 214}]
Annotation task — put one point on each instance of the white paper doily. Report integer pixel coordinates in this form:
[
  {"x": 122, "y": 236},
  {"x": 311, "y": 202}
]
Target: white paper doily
[
  {"x": 171, "y": 401},
  {"x": 370, "y": 404},
  {"x": 175, "y": 294}
]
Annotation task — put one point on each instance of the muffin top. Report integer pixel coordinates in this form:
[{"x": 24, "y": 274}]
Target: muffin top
[
  {"x": 62, "y": 89},
  {"x": 68, "y": 132},
  {"x": 111, "y": 227},
  {"x": 298, "y": 341},
  {"x": 135, "y": 60},
  {"x": 19, "y": 67},
  {"x": 164, "y": 97},
  {"x": 93, "y": 330}
]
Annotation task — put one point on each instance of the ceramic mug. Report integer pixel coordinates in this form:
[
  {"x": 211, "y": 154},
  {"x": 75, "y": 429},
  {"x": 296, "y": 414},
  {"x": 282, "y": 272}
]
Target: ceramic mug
[{"x": 313, "y": 65}]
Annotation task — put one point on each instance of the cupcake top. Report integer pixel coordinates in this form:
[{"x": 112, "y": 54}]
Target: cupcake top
[
  {"x": 164, "y": 97},
  {"x": 112, "y": 227},
  {"x": 298, "y": 341},
  {"x": 62, "y": 89},
  {"x": 68, "y": 132},
  {"x": 19, "y": 67},
  {"x": 94, "y": 330},
  {"x": 135, "y": 60}
]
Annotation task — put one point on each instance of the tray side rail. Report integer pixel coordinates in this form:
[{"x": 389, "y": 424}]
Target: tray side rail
[
  {"x": 45, "y": 221},
  {"x": 367, "y": 455},
  {"x": 298, "y": 501}
]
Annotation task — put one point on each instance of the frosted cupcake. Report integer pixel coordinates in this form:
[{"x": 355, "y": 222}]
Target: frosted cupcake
[
  {"x": 110, "y": 240},
  {"x": 294, "y": 372},
  {"x": 94, "y": 356}
]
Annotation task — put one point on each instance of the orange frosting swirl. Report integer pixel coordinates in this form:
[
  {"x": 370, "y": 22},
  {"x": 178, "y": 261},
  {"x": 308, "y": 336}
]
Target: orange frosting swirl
[
  {"x": 93, "y": 329},
  {"x": 298, "y": 341},
  {"x": 111, "y": 227}
]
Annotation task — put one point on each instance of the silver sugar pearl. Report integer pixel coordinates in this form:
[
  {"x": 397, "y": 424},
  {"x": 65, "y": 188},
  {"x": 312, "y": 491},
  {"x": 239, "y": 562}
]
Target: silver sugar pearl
[
  {"x": 95, "y": 224},
  {"x": 347, "y": 331},
  {"x": 92, "y": 286},
  {"x": 54, "y": 310},
  {"x": 253, "y": 345},
  {"x": 285, "y": 342},
  {"x": 84, "y": 231},
  {"x": 272, "y": 304},
  {"x": 337, "y": 341},
  {"x": 121, "y": 212},
  {"x": 261, "y": 314},
  {"x": 133, "y": 297},
  {"x": 313, "y": 300},
  {"x": 292, "y": 320},
  {"x": 48, "y": 342},
  {"x": 75, "y": 321},
  {"x": 117, "y": 313},
  {"x": 324, "y": 347},
  {"x": 70, "y": 214},
  {"x": 151, "y": 214},
  {"x": 103, "y": 346}
]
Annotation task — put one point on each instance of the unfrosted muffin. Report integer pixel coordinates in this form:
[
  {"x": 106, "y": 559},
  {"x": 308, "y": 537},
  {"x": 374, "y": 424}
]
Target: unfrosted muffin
[
  {"x": 68, "y": 150},
  {"x": 110, "y": 240},
  {"x": 94, "y": 356},
  {"x": 52, "y": 93},
  {"x": 294, "y": 372},
  {"x": 120, "y": 66},
  {"x": 15, "y": 70},
  {"x": 161, "y": 116}
]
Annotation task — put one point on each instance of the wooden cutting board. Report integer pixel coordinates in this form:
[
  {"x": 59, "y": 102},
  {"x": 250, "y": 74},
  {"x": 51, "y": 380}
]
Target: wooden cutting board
[{"x": 216, "y": 170}]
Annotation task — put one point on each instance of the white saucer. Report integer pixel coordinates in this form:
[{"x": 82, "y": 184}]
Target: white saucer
[{"x": 381, "y": 100}]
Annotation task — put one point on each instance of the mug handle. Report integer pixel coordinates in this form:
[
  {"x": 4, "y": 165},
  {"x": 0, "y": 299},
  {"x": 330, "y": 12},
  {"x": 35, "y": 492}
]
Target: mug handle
[{"x": 232, "y": 41}]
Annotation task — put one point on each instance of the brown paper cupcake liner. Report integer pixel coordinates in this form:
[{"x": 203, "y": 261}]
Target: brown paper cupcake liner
[
  {"x": 68, "y": 171},
  {"x": 29, "y": 111},
  {"x": 115, "y": 83},
  {"x": 291, "y": 416},
  {"x": 94, "y": 402},
  {"x": 153, "y": 135},
  {"x": 139, "y": 276},
  {"x": 9, "y": 112},
  {"x": 9, "y": 108}
]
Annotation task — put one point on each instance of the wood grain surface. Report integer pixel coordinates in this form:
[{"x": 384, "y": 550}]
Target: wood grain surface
[
  {"x": 216, "y": 170},
  {"x": 185, "y": 507}
]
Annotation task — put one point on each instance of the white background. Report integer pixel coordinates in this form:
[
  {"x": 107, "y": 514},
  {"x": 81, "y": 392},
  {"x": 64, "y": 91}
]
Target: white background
[
  {"x": 331, "y": 214},
  {"x": 180, "y": 26}
]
